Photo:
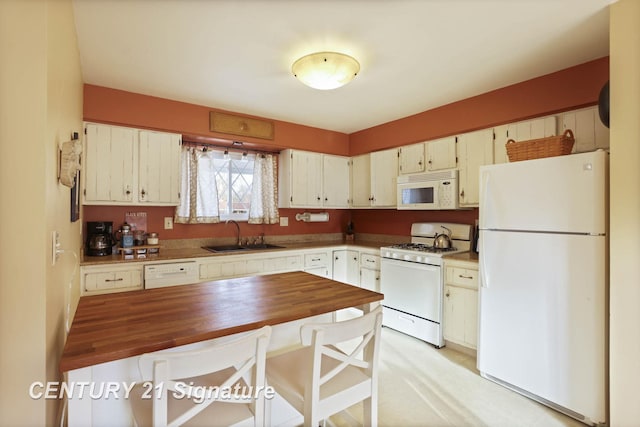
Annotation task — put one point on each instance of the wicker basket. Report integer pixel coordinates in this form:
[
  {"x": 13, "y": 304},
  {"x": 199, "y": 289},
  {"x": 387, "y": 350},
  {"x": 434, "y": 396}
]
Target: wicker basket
[{"x": 542, "y": 147}]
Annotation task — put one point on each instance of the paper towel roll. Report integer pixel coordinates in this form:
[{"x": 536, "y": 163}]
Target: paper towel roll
[{"x": 313, "y": 217}]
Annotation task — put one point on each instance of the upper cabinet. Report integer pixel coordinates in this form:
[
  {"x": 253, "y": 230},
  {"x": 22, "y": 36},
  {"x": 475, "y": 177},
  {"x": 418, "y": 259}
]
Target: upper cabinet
[
  {"x": 335, "y": 181},
  {"x": 373, "y": 179},
  {"x": 411, "y": 158},
  {"x": 441, "y": 154},
  {"x": 310, "y": 180},
  {"x": 588, "y": 131},
  {"x": 475, "y": 149},
  {"x": 522, "y": 131},
  {"x": 300, "y": 179},
  {"x": 126, "y": 166}
]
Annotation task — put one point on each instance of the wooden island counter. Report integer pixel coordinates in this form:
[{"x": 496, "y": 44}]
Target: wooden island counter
[{"x": 109, "y": 331}]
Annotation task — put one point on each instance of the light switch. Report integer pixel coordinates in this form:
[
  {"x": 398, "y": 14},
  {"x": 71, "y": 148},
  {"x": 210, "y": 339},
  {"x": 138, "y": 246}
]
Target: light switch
[
  {"x": 168, "y": 223},
  {"x": 284, "y": 221}
]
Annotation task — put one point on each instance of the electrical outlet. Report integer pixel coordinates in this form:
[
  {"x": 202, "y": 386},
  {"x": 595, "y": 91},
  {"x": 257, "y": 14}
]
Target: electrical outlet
[
  {"x": 55, "y": 247},
  {"x": 284, "y": 221},
  {"x": 168, "y": 223}
]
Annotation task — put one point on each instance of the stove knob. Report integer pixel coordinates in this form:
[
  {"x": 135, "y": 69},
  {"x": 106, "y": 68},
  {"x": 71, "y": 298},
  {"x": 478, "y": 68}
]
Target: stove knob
[
  {"x": 407, "y": 257},
  {"x": 418, "y": 259},
  {"x": 394, "y": 255}
]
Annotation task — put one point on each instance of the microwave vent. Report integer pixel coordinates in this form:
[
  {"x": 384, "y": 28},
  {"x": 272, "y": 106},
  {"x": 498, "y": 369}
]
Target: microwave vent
[{"x": 424, "y": 177}]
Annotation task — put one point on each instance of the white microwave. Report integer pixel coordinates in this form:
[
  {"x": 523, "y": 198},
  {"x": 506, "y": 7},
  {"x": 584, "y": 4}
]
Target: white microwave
[{"x": 428, "y": 191}]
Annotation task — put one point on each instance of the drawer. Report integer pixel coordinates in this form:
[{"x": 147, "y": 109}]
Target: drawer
[
  {"x": 370, "y": 261},
  {"x": 113, "y": 280},
  {"x": 320, "y": 259},
  {"x": 463, "y": 277}
]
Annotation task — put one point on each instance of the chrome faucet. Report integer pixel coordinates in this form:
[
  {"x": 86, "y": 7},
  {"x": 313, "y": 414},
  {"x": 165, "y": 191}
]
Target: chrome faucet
[{"x": 239, "y": 242}]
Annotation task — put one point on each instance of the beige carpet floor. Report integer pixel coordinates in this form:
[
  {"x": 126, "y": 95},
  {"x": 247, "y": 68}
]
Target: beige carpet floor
[{"x": 423, "y": 386}]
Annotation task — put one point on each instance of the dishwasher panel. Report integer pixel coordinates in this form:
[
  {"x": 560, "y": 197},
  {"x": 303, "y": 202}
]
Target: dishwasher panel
[{"x": 170, "y": 274}]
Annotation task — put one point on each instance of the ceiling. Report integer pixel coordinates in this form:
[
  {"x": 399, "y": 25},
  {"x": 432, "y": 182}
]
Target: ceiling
[{"x": 414, "y": 55}]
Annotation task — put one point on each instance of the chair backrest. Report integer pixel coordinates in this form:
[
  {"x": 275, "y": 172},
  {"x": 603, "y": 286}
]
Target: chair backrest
[
  {"x": 323, "y": 338},
  {"x": 246, "y": 355}
]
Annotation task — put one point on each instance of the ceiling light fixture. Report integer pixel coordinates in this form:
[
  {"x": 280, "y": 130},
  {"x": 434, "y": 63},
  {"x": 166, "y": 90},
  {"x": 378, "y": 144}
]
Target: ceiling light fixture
[{"x": 326, "y": 70}]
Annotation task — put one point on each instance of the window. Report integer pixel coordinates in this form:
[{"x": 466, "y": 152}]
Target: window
[
  {"x": 218, "y": 187},
  {"x": 234, "y": 179}
]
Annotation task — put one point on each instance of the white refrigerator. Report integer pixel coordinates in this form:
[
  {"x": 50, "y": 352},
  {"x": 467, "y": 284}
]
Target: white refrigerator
[{"x": 544, "y": 281}]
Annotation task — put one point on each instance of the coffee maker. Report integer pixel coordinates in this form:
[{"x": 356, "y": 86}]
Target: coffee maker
[{"x": 99, "y": 238}]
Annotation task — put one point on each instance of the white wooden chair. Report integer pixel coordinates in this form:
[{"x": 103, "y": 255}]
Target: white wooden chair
[
  {"x": 196, "y": 387},
  {"x": 320, "y": 379}
]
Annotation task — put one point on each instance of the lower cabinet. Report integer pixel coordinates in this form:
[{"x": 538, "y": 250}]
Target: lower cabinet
[
  {"x": 318, "y": 263},
  {"x": 111, "y": 278},
  {"x": 460, "y": 317},
  {"x": 241, "y": 265},
  {"x": 370, "y": 271},
  {"x": 346, "y": 266}
]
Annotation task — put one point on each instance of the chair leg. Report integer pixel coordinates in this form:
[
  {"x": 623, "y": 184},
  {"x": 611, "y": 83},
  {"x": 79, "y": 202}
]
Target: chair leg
[{"x": 370, "y": 406}]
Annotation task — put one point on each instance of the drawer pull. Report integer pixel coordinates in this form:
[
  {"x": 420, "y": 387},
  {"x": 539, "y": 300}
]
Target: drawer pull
[
  {"x": 114, "y": 280},
  {"x": 371, "y": 261},
  {"x": 465, "y": 277},
  {"x": 316, "y": 259}
]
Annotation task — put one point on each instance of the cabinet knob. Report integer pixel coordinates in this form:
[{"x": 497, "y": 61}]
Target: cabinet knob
[
  {"x": 326, "y": 199},
  {"x": 143, "y": 192},
  {"x": 128, "y": 192},
  {"x": 447, "y": 294},
  {"x": 462, "y": 193},
  {"x": 318, "y": 198}
]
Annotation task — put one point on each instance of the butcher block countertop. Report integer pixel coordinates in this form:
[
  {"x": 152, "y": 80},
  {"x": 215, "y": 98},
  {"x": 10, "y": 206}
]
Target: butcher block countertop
[{"x": 116, "y": 326}]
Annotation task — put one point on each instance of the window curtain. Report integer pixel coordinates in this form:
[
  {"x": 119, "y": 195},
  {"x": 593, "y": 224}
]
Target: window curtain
[
  {"x": 264, "y": 191},
  {"x": 199, "y": 193}
]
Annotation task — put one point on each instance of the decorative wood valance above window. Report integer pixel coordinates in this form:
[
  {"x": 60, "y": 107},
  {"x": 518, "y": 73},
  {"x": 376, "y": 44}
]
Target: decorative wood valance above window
[{"x": 239, "y": 125}]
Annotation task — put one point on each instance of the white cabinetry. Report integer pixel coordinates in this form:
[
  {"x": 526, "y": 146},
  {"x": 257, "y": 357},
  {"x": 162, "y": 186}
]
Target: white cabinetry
[
  {"x": 318, "y": 263},
  {"x": 441, "y": 154},
  {"x": 370, "y": 271},
  {"x": 159, "y": 168},
  {"x": 311, "y": 180},
  {"x": 105, "y": 279},
  {"x": 521, "y": 131},
  {"x": 130, "y": 166},
  {"x": 475, "y": 149},
  {"x": 361, "y": 181},
  {"x": 300, "y": 179},
  {"x": 346, "y": 266},
  {"x": 229, "y": 266},
  {"x": 335, "y": 181},
  {"x": 589, "y": 132},
  {"x": 411, "y": 159},
  {"x": 373, "y": 179},
  {"x": 461, "y": 303}
]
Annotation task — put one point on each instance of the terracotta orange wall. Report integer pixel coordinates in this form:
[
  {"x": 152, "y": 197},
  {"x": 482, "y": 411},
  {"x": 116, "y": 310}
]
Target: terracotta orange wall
[
  {"x": 568, "y": 89},
  {"x": 118, "y": 107},
  {"x": 338, "y": 219},
  {"x": 564, "y": 90}
]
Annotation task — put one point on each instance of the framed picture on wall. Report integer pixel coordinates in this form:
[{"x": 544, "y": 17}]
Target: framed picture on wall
[{"x": 75, "y": 199}]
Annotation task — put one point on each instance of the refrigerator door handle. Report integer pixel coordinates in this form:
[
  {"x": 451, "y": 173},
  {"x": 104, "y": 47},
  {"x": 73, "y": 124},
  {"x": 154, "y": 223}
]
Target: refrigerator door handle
[{"x": 484, "y": 280}]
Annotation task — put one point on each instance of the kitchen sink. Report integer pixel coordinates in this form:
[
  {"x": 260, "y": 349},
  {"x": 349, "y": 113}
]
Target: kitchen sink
[{"x": 239, "y": 248}]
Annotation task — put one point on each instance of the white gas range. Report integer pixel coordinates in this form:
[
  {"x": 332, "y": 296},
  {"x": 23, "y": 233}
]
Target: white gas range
[{"x": 412, "y": 280}]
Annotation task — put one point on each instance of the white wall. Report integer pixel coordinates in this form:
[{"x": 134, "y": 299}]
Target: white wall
[
  {"x": 625, "y": 213},
  {"x": 40, "y": 104}
]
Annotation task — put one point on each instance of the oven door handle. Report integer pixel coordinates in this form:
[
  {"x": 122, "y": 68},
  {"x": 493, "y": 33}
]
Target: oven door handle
[{"x": 408, "y": 264}]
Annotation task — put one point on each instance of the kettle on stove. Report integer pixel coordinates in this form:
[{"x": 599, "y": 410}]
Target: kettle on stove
[{"x": 442, "y": 241}]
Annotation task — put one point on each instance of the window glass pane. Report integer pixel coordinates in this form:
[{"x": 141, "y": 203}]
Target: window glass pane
[{"x": 234, "y": 177}]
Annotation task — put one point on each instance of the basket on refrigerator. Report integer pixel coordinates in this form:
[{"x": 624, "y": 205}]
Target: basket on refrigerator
[{"x": 543, "y": 147}]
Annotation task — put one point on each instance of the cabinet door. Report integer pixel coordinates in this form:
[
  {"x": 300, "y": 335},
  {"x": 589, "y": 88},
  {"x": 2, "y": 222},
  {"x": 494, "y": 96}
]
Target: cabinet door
[
  {"x": 335, "y": 181},
  {"x": 345, "y": 266},
  {"x": 384, "y": 172},
  {"x": 109, "y": 164},
  {"x": 441, "y": 153},
  {"x": 588, "y": 131},
  {"x": 306, "y": 179},
  {"x": 521, "y": 131},
  {"x": 370, "y": 279},
  {"x": 159, "y": 168},
  {"x": 461, "y": 316},
  {"x": 475, "y": 149},
  {"x": 411, "y": 159},
  {"x": 361, "y": 181}
]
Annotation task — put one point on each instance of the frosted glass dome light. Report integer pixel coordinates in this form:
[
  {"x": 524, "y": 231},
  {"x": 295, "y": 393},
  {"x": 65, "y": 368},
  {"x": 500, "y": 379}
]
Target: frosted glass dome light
[{"x": 325, "y": 70}]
